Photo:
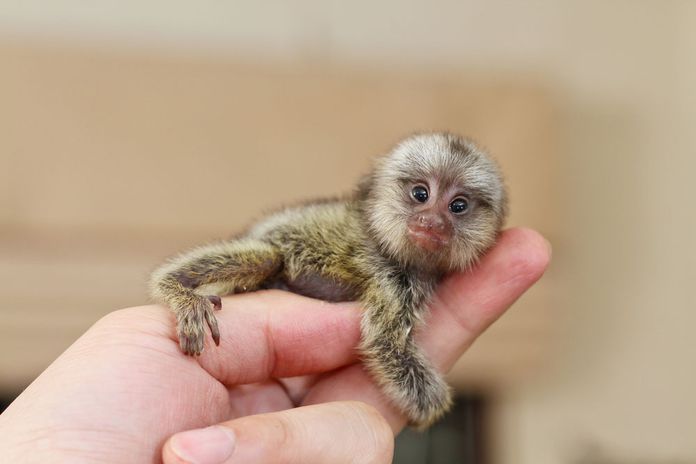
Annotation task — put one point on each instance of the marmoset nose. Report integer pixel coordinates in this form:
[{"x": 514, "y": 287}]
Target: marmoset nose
[{"x": 431, "y": 222}]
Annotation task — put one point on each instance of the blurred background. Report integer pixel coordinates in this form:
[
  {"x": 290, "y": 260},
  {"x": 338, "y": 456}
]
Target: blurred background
[{"x": 132, "y": 129}]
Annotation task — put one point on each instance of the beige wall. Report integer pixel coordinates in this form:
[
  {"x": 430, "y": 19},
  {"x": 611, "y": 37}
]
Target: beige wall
[
  {"x": 621, "y": 376},
  {"x": 116, "y": 160}
]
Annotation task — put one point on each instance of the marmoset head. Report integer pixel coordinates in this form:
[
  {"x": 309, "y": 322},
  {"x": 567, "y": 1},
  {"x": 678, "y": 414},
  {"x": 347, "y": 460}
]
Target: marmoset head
[{"x": 435, "y": 202}]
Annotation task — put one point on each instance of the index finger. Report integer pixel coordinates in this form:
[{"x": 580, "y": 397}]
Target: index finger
[
  {"x": 272, "y": 334},
  {"x": 464, "y": 306}
]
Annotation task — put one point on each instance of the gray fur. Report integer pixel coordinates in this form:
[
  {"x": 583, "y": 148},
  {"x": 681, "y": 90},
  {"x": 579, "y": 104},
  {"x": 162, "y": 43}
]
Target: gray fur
[{"x": 359, "y": 247}]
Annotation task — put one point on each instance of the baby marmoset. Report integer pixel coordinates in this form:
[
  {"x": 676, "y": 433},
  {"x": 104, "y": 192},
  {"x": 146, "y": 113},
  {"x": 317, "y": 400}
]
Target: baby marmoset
[{"x": 432, "y": 206}]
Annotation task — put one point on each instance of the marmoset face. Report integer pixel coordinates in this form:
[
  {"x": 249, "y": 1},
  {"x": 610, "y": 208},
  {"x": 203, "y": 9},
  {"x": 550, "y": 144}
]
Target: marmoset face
[{"x": 437, "y": 202}]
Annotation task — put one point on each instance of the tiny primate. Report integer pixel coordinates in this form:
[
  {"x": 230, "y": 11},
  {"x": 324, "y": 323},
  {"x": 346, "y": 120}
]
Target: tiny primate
[{"x": 431, "y": 206}]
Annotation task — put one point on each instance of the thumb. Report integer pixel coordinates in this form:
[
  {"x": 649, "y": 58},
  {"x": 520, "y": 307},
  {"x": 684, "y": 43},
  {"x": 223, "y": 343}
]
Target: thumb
[{"x": 337, "y": 432}]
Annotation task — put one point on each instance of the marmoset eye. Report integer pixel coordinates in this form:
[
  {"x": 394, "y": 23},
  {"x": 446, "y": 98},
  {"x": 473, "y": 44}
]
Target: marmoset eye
[
  {"x": 459, "y": 205},
  {"x": 420, "y": 193}
]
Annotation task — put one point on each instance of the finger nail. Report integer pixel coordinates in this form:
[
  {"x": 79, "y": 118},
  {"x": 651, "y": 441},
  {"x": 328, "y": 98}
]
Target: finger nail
[
  {"x": 211, "y": 445},
  {"x": 549, "y": 247}
]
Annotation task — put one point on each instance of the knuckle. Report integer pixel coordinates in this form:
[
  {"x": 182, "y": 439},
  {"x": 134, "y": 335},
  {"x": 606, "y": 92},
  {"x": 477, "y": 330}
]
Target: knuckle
[
  {"x": 283, "y": 434},
  {"x": 118, "y": 318},
  {"x": 138, "y": 321},
  {"x": 380, "y": 442},
  {"x": 135, "y": 316}
]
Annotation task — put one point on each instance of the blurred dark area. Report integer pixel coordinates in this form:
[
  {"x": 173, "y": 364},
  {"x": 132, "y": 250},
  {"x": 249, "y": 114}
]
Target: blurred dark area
[{"x": 458, "y": 438}]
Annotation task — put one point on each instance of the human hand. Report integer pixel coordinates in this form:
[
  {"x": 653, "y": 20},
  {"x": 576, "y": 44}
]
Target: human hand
[{"x": 121, "y": 390}]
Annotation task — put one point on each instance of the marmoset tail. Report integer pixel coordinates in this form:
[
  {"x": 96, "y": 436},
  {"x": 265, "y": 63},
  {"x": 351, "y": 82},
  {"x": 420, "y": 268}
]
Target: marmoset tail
[{"x": 432, "y": 206}]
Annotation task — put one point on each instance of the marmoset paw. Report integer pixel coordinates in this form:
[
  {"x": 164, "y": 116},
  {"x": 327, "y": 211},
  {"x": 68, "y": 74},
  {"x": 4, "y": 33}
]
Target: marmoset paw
[
  {"x": 429, "y": 401},
  {"x": 192, "y": 321}
]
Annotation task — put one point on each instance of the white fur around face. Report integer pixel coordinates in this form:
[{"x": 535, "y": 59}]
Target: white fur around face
[{"x": 448, "y": 163}]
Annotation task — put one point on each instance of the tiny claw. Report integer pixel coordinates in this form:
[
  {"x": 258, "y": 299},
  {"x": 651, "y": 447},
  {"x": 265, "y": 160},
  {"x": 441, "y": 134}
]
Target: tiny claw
[
  {"x": 214, "y": 330},
  {"x": 186, "y": 345},
  {"x": 183, "y": 345},
  {"x": 216, "y": 301}
]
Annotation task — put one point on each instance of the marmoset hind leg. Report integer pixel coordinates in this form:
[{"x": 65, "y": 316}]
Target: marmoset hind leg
[
  {"x": 240, "y": 265},
  {"x": 393, "y": 359}
]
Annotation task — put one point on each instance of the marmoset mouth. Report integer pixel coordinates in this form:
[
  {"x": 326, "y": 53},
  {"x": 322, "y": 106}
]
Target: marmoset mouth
[{"x": 429, "y": 240}]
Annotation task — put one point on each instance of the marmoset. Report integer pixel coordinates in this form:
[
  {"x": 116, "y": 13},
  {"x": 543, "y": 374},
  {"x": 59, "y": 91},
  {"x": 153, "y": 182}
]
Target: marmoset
[{"x": 431, "y": 206}]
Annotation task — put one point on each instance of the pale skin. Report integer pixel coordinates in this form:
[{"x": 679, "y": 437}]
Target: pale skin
[{"x": 124, "y": 391}]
